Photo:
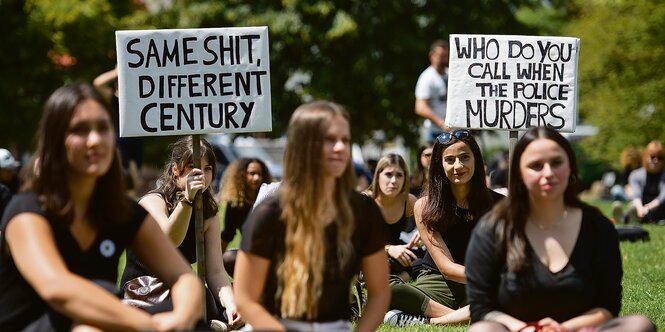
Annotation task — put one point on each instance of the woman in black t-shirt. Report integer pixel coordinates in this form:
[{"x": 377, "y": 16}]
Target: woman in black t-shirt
[
  {"x": 240, "y": 185},
  {"x": 70, "y": 226},
  {"x": 301, "y": 247},
  {"x": 454, "y": 199},
  {"x": 542, "y": 260}
]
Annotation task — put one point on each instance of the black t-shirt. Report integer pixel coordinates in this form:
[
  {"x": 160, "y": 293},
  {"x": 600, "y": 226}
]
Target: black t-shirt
[
  {"x": 457, "y": 235},
  {"x": 651, "y": 187},
  {"x": 591, "y": 279},
  {"x": 264, "y": 234},
  {"x": 234, "y": 218},
  {"x": 19, "y": 303},
  {"x": 392, "y": 231}
]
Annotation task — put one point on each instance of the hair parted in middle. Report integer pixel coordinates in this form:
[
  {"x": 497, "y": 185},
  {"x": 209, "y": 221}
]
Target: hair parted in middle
[
  {"x": 439, "y": 212},
  {"x": 300, "y": 275},
  {"x": 509, "y": 216},
  {"x": 391, "y": 159}
]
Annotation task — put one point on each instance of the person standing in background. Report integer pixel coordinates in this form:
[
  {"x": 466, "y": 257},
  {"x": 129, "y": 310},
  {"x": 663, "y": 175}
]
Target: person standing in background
[
  {"x": 432, "y": 91},
  {"x": 131, "y": 148}
]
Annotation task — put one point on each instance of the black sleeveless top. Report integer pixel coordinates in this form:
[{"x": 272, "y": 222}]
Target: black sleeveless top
[{"x": 392, "y": 231}]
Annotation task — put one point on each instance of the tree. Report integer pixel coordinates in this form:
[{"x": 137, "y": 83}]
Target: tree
[
  {"x": 620, "y": 76},
  {"x": 365, "y": 54}
]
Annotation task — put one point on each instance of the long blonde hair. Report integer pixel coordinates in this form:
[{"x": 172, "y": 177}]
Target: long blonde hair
[{"x": 302, "y": 197}]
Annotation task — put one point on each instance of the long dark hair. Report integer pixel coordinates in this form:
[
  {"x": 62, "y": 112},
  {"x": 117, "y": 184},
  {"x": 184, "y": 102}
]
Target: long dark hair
[
  {"x": 509, "y": 216},
  {"x": 439, "y": 212},
  {"x": 46, "y": 174},
  {"x": 182, "y": 155},
  {"x": 419, "y": 175}
]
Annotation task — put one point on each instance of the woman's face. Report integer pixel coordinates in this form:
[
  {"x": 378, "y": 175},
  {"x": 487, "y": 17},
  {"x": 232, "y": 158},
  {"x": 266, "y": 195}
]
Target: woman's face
[
  {"x": 545, "y": 169},
  {"x": 337, "y": 147},
  {"x": 254, "y": 176},
  {"x": 205, "y": 167},
  {"x": 90, "y": 140},
  {"x": 426, "y": 157},
  {"x": 391, "y": 180},
  {"x": 458, "y": 163}
]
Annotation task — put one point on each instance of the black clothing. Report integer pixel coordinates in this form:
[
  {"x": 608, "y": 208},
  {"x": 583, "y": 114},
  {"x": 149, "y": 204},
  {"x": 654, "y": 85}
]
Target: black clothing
[
  {"x": 234, "y": 218},
  {"x": 19, "y": 303},
  {"x": 392, "y": 231},
  {"x": 592, "y": 277},
  {"x": 458, "y": 234},
  {"x": 264, "y": 236}
]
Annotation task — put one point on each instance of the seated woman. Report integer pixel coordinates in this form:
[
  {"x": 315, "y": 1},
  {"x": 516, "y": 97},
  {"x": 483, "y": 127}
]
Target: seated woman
[
  {"x": 648, "y": 185},
  {"x": 171, "y": 204},
  {"x": 240, "y": 185},
  {"x": 542, "y": 260},
  {"x": 455, "y": 197},
  {"x": 389, "y": 188},
  {"x": 61, "y": 239},
  {"x": 302, "y": 246}
]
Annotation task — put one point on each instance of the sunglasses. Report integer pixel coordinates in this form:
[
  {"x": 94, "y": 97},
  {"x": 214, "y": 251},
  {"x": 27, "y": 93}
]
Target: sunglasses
[
  {"x": 656, "y": 158},
  {"x": 447, "y": 137}
]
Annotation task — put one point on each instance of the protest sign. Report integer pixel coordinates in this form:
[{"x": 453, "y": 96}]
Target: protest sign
[
  {"x": 193, "y": 81},
  {"x": 512, "y": 82}
]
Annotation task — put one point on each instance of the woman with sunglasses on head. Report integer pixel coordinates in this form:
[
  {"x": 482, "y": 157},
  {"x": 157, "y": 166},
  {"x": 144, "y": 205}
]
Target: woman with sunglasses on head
[
  {"x": 62, "y": 237},
  {"x": 453, "y": 200},
  {"x": 302, "y": 246},
  {"x": 542, "y": 260},
  {"x": 389, "y": 188}
]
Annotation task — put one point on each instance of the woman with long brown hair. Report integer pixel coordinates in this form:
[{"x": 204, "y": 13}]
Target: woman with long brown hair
[
  {"x": 454, "y": 199},
  {"x": 61, "y": 239},
  {"x": 302, "y": 247},
  {"x": 543, "y": 260}
]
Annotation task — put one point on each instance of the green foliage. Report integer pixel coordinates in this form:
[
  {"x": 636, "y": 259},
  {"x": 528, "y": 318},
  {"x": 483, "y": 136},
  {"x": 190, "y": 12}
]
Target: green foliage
[
  {"x": 365, "y": 54},
  {"x": 621, "y": 81}
]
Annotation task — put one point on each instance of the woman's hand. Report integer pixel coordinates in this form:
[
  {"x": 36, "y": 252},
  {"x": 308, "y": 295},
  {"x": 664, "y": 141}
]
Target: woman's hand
[
  {"x": 550, "y": 325},
  {"x": 402, "y": 254},
  {"x": 233, "y": 315},
  {"x": 416, "y": 241},
  {"x": 195, "y": 182}
]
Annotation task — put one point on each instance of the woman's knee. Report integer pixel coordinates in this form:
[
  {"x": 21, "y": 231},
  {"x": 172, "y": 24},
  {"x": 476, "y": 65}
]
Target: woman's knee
[
  {"x": 487, "y": 326},
  {"x": 634, "y": 323}
]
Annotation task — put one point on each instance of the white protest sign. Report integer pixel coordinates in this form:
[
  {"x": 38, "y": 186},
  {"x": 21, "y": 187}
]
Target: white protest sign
[
  {"x": 512, "y": 82},
  {"x": 193, "y": 81}
]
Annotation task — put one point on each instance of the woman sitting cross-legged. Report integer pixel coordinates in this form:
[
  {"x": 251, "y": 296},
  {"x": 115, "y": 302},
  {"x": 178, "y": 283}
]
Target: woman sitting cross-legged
[
  {"x": 302, "y": 247},
  {"x": 62, "y": 237},
  {"x": 171, "y": 204},
  {"x": 542, "y": 260},
  {"x": 454, "y": 198}
]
